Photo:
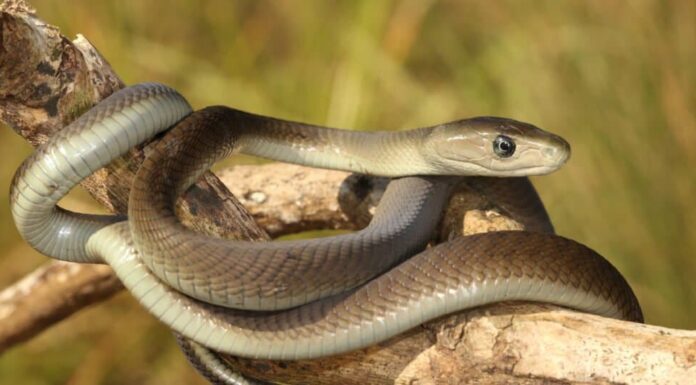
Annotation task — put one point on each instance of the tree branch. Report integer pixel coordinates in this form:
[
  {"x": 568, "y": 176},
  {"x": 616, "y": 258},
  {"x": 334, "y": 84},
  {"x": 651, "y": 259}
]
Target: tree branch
[
  {"x": 46, "y": 81},
  {"x": 506, "y": 344}
]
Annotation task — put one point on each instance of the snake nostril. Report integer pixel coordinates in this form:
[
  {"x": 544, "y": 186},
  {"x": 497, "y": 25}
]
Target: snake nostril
[{"x": 549, "y": 152}]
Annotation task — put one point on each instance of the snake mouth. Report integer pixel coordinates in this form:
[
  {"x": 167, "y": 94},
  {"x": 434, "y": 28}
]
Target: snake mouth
[
  {"x": 559, "y": 152},
  {"x": 513, "y": 172}
]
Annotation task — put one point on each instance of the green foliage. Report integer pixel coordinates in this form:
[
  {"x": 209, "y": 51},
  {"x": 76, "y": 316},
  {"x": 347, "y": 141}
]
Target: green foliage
[{"x": 614, "y": 78}]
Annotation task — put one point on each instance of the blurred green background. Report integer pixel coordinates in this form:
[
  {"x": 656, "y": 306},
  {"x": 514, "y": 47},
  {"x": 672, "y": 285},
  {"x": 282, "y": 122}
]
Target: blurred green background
[{"x": 617, "y": 79}]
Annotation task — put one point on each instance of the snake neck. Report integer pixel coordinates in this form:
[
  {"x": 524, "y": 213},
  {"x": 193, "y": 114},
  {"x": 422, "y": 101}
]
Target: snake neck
[
  {"x": 382, "y": 153},
  {"x": 210, "y": 134}
]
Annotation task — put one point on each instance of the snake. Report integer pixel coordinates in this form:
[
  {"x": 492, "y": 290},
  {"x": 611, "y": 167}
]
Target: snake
[{"x": 310, "y": 298}]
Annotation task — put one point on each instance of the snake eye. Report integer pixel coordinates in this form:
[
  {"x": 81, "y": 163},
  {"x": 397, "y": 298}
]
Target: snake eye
[{"x": 503, "y": 146}]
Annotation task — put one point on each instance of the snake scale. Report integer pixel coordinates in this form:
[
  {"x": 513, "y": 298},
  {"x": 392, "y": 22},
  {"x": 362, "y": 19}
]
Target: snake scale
[{"x": 325, "y": 296}]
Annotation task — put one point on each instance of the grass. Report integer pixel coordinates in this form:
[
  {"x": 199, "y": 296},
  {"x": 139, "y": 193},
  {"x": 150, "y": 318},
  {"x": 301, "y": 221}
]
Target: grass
[{"x": 614, "y": 78}]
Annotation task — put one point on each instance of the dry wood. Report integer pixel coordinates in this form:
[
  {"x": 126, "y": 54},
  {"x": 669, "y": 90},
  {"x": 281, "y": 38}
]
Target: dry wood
[
  {"x": 51, "y": 293},
  {"x": 46, "y": 81},
  {"x": 508, "y": 344}
]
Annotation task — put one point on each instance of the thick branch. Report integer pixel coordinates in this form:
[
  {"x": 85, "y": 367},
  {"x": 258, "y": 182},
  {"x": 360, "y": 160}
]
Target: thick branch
[
  {"x": 507, "y": 344},
  {"x": 51, "y": 293},
  {"x": 286, "y": 199}
]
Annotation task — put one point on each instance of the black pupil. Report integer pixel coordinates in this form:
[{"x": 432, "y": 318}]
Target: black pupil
[{"x": 503, "y": 146}]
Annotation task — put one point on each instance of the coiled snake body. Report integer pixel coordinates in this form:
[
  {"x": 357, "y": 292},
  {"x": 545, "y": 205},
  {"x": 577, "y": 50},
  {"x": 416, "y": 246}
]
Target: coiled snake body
[{"x": 335, "y": 300}]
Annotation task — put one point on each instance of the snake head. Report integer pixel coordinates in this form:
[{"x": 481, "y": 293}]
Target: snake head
[{"x": 491, "y": 146}]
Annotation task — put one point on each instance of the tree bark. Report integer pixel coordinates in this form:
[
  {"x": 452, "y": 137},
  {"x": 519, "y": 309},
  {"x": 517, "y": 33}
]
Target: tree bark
[
  {"x": 47, "y": 80},
  {"x": 524, "y": 344}
]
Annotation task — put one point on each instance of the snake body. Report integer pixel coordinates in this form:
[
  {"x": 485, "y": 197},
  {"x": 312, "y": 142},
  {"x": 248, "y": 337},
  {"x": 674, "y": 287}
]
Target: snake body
[
  {"x": 158, "y": 259},
  {"x": 266, "y": 276},
  {"x": 480, "y": 269}
]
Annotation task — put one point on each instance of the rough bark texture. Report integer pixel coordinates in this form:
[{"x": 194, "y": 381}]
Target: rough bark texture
[
  {"x": 525, "y": 344},
  {"x": 47, "y": 80},
  {"x": 52, "y": 292},
  {"x": 286, "y": 199}
]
